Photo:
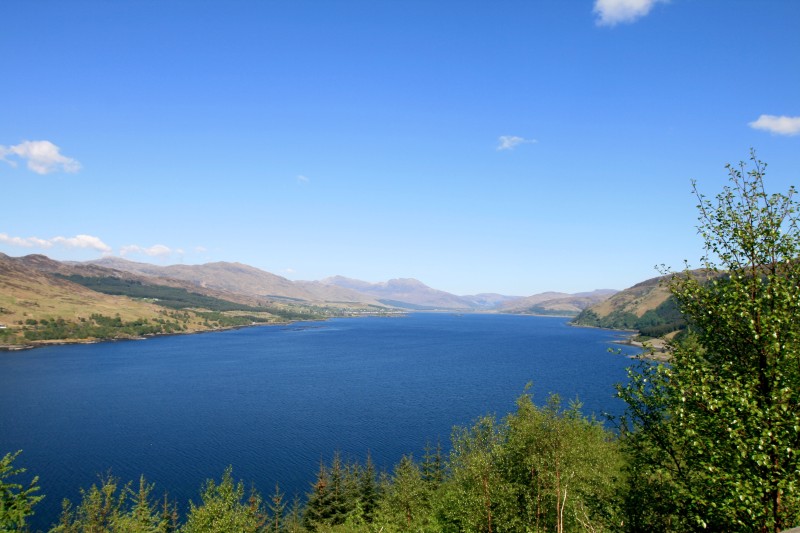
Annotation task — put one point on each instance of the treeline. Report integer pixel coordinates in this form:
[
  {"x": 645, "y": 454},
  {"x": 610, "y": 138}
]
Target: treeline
[
  {"x": 543, "y": 311},
  {"x": 538, "y": 469},
  {"x": 173, "y": 297},
  {"x": 665, "y": 318},
  {"x": 98, "y": 326},
  {"x": 214, "y": 312}
]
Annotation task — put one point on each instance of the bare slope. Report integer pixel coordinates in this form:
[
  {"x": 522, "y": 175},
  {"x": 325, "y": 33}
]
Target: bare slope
[
  {"x": 27, "y": 293},
  {"x": 237, "y": 278},
  {"x": 647, "y": 307}
]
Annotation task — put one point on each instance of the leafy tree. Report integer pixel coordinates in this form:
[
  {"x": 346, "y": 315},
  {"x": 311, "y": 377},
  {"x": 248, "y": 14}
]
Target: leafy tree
[
  {"x": 564, "y": 469},
  {"x": 224, "y": 508},
  {"x": 475, "y": 492},
  {"x": 16, "y": 501},
  {"x": 714, "y": 437}
]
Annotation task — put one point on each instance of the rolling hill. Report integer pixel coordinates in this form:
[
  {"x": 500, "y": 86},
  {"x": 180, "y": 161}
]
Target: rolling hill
[
  {"x": 647, "y": 307},
  {"x": 557, "y": 303},
  {"x": 241, "y": 279},
  {"x": 43, "y": 298}
]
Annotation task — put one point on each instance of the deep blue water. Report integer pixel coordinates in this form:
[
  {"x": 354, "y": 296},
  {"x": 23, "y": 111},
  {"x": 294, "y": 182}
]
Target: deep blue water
[{"x": 273, "y": 401}]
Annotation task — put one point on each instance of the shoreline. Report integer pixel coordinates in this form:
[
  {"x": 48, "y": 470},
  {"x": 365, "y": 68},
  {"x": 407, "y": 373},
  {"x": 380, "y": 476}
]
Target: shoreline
[
  {"x": 64, "y": 342},
  {"x": 653, "y": 350}
]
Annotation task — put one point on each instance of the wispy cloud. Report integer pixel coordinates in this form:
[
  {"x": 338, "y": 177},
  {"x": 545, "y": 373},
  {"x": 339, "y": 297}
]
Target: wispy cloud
[
  {"x": 778, "y": 125},
  {"x": 43, "y": 157},
  {"x": 509, "y": 142},
  {"x": 157, "y": 250},
  {"x": 79, "y": 241},
  {"x": 302, "y": 179},
  {"x": 613, "y": 12}
]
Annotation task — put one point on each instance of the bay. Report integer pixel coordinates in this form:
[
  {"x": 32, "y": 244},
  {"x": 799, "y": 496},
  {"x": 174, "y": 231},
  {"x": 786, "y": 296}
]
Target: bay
[{"x": 275, "y": 401}]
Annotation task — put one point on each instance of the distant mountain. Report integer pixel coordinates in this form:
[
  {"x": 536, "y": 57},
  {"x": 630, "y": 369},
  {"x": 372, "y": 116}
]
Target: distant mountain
[
  {"x": 71, "y": 269},
  {"x": 489, "y": 300},
  {"x": 36, "y": 287},
  {"x": 404, "y": 292},
  {"x": 237, "y": 278},
  {"x": 557, "y": 303},
  {"x": 413, "y": 294}
]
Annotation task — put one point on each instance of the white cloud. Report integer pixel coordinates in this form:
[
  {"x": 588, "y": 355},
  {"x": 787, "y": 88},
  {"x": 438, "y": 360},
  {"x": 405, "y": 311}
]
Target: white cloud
[
  {"x": 509, "y": 142},
  {"x": 43, "y": 157},
  {"x": 158, "y": 250},
  {"x": 612, "y": 12},
  {"x": 302, "y": 179},
  {"x": 782, "y": 125},
  {"x": 79, "y": 241},
  {"x": 200, "y": 249}
]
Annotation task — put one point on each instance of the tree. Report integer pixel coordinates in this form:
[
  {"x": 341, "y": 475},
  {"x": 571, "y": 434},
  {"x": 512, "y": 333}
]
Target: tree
[
  {"x": 277, "y": 508},
  {"x": 225, "y": 508},
  {"x": 564, "y": 468},
  {"x": 475, "y": 493},
  {"x": 16, "y": 501},
  {"x": 405, "y": 502},
  {"x": 369, "y": 492},
  {"x": 111, "y": 507},
  {"x": 716, "y": 433}
]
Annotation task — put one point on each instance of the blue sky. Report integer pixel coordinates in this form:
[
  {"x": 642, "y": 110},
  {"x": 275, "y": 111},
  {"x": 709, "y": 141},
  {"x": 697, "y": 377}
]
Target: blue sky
[{"x": 505, "y": 146}]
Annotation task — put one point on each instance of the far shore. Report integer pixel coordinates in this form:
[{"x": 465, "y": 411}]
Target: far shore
[{"x": 59, "y": 342}]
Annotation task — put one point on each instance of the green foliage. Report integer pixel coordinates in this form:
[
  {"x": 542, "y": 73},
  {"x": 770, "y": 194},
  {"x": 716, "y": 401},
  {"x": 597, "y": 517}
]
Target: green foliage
[
  {"x": 542, "y": 469},
  {"x": 114, "y": 508},
  {"x": 99, "y": 327},
  {"x": 405, "y": 505},
  {"x": 665, "y": 318},
  {"x": 16, "y": 500},
  {"x": 544, "y": 311},
  {"x": 225, "y": 509},
  {"x": 172, "y": 297},
  {"x": 539, "y": 469},
  {"x": 178, "y": 298},
  {"x": 716, "y": 434},
  {"x": 344, "y": 494}
]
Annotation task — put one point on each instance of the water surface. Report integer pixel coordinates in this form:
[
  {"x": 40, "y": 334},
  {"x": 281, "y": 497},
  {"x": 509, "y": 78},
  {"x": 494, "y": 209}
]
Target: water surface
[{"x": 274, "y": 401}]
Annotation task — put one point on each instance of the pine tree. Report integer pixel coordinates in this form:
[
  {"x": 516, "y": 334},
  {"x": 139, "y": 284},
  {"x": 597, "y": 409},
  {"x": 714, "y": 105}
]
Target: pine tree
[{"x": 277, "y": 508}]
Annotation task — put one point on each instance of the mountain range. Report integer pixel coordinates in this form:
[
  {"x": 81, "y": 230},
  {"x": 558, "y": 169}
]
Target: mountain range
[
  {"x": 403, "y": 293},
  {"x": 247, "y": 284},
  {"x": 36, "y": 290}
]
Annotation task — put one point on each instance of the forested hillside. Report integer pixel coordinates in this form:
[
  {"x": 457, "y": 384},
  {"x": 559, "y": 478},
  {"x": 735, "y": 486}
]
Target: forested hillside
[
  {"x": 42, "y": 300},
  {"x": 647, "y": 307}
]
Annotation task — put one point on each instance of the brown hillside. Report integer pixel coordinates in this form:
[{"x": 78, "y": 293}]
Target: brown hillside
[{"x": 28, "y": 293}]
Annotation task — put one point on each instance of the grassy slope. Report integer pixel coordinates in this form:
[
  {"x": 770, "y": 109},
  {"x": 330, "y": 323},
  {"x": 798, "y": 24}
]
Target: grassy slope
[{"x": 29, "y": 294}]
